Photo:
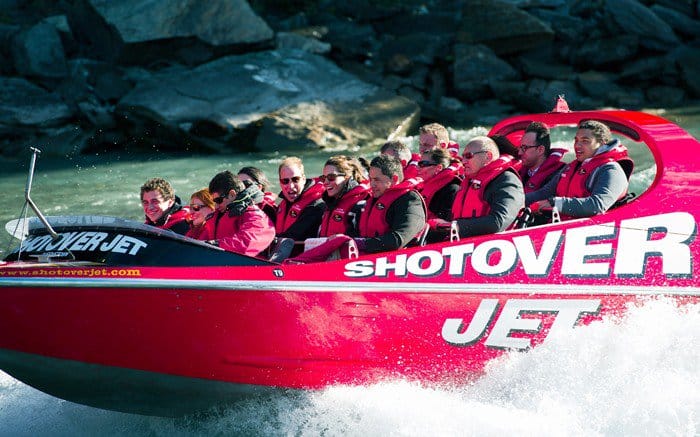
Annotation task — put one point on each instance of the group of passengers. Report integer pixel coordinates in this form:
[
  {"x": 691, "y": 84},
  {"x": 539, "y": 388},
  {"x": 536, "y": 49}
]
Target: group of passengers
[{"x": 399, "y": 198}]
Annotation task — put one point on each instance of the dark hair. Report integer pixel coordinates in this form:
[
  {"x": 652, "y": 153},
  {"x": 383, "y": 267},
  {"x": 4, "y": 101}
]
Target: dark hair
[
  {"x": 542, "y": 135},
  {"x": 256, "y": 175},
  {"x": 601, "y": 132},
  {"x": 400, "y": 148},
  {"x": 350, "y": 166},
  {"x": 388, "y": 165},
  {"x": 439, "y": 156},
  {"x": 505, "y": 146},
  {"x": 224, "y": 182},
  {"x": 160, "y": 185}
]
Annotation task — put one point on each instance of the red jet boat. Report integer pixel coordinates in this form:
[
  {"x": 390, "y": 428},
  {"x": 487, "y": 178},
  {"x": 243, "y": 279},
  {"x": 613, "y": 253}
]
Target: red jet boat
[{"x": 118, "y": 315}]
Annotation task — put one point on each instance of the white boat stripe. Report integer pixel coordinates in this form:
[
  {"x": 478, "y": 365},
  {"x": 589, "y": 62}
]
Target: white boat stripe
[{"x": 353, "y": 287}]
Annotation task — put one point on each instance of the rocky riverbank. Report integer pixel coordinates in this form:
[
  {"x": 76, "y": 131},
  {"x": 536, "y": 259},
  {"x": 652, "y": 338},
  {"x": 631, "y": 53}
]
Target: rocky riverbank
[{"x": 82, "y": 76}]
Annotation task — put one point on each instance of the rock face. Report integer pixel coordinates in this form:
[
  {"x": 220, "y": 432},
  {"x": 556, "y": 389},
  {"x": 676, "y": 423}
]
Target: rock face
[
  {"x": 310, "y": 102},
  {"x": 220, "y": 75}
]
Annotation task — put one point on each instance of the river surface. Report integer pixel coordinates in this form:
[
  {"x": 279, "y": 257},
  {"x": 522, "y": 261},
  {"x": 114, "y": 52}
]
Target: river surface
[{"x": 635, "y": 376}]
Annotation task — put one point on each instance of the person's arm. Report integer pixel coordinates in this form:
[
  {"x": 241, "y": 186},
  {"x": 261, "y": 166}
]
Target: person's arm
[
  {"x": 506, "y": 197},
  {"x": 306, "y": 226},
  {"x": 441, "y": 204},
  {"x": 255, "y": 233},
  {"x": 545, "y": 192},
  {"x": 607, "y": 184},
  {"x": 406, "y": 217}
]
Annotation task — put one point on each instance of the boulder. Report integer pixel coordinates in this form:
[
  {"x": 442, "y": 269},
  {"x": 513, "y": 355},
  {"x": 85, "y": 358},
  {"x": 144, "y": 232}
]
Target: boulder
[
  {"x": 228, "y": 103},
  {"x": 141, "y": 31},
  {"x": 23, "y": 104},
  {"x": 475, "y": 68},
  {"x": 632, "y": 17},
  {"x": 680, "y": 22},
  {"x": 502, "y": 26},
  {"x": 688, "y": 62},
  {"x": 38, "y": 52}
]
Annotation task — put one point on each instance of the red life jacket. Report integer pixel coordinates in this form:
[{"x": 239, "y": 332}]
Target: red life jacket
[
  {"x": 433, "y": 185},
  {"x": 410, "y": 168},
  {"x": 373, "y": 218},
  {"x": 550, "y": 165},
  {"x": 572, "y": 182},
  {"x": 335, "y": 221},
  {"x": 288, "y": 214},
  {"x": 470, "y": 202}
]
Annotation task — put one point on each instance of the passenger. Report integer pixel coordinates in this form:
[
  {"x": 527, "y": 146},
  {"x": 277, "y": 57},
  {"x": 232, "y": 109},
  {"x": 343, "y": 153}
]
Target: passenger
[
  {"x": 300, "y": 211},
  {"x": 491, "y": 195},
  {"x": 346, "y": 193},
  {"x": 256, "y": 176},
  {"x": 395, "y": 214},
  {"x": 441, "y": 182},
  {"x": 505, "y": 146},
  {"x": 202, "y": 208},
  {"x": 436, "y": 135},
  {"x": 239, "y": 225},
  {"x": 594, "y": 181},
  {"x": 391, "y": 219},
  {"x": 402, "y": 152},
  {"x": 540, "y": 163},
  {"x": 162, "y": 207}
]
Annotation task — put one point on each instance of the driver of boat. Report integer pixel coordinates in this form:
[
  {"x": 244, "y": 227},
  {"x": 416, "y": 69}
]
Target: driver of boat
[
  {"x": 491, "y": 194},
  {"x": 162, "y": 207},
  {"x": 593, "y": 182},
  {"x": 239, "y": 224}
]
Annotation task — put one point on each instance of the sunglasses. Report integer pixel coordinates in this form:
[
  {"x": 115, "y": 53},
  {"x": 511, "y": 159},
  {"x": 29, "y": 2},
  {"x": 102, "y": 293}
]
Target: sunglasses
[
  {"x": 470, "y": 155},
  {"x": 423, "y": 164},
  {"x": 219, "y": 200},
  {"x": 524, "y": 147},
  {"x": 286, "y": 181},
  {"x": 330, "y": 177},
  {"x": 196, "y": 208}
]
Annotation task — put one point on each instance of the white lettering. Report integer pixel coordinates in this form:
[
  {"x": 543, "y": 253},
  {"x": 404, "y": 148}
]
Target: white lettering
[
  {"x": 533, "y": 264},
  {"x": 434, "y": 265},
  {"x": 489, "y": 251},
  {"x": 359, "y": 269},
  {"x": 457, "y": 255},
  {"x": 452, "y": 329},
  {"x": 383, "y": 266},
  {"x": 577, "y": 251},
  {"x": 635, "y": 244}
]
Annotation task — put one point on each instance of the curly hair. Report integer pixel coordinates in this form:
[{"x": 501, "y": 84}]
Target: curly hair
[{"x": 160, "y": 185}]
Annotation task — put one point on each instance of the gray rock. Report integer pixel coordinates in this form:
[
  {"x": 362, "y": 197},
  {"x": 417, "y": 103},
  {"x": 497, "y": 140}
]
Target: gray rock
[
  {"x": 679, "y": 21},
  {"x": 597, "y": 84},
  {"x": 605, "y": 52},
  {"x": 475, "y": 68},
  {"x": 686, "y": 7},
  {"x": 127, "y": 29},
  {"x": 503, "y": 27},
  {"x": 23, "y": 104},
  {"x": 634, "y": 18},
  {"x": 687, "y": 60},
  {"x": 665, "y": 96},
  {"x": 37, "y": 52},
  {"x": 290, "y": 40},
  {"x": 240, "y": 92}
]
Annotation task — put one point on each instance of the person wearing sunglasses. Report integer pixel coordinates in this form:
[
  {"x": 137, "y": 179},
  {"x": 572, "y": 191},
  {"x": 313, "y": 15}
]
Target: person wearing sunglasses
[
  {"x": 300, "y": 211},
  {"x": 162, "y": 207},
  {"x": 491, "y": 195},
  {"x": 436, "y": 135},
  {"x": 540, "y": 163},
  {"x": 253, "y": 175},
  {"x": 239, "y": 225},
  {"x": 441, "y": 182},
  {"x": 402, "y": 152},
  {"x": 346, "y": 191},
  {"x": 201, "y": 208},
  {"x": 594, "y": 182}
]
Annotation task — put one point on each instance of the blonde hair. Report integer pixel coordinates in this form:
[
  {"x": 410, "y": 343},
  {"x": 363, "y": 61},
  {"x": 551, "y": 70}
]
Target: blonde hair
[{"x": 291, "y": 161}]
